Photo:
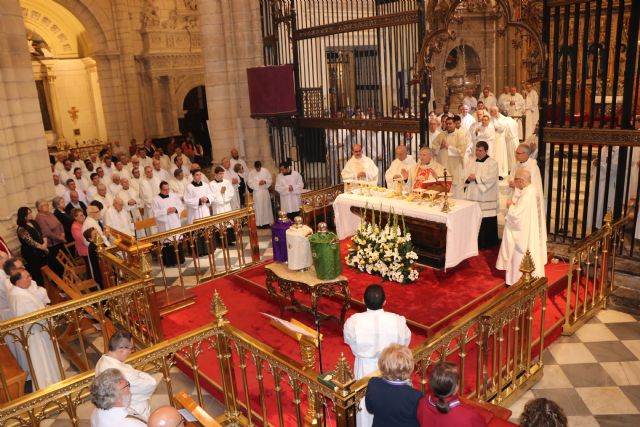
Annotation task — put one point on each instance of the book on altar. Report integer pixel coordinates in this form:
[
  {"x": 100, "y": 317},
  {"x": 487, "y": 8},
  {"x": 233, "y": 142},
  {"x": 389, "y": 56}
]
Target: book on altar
[{"x": 439, "y": 185}]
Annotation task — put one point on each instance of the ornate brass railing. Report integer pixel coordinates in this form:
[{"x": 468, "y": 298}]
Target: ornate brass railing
[
  {"x": 591, "y": 277},
  {"x": 317, "y": 205}
]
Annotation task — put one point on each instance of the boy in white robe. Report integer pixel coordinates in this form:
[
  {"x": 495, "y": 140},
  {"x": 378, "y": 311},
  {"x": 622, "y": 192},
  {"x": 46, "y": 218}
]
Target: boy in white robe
[
  {"x": 24, "y": 298},
  {"x": 368, "y": 334},
  {"x": 259, "y": 180},
  {"x": 400, "y": 168},
  {"x": 197, "y": 198},
  {"x": 360, "y": 167},
  {"x": 167, "y": 209},
  {"x": 223, "y": 195},
  {"x": 481, "y": 185},
  {"x": 522, "y": 232},
  {"x": 289, "y": 186}
]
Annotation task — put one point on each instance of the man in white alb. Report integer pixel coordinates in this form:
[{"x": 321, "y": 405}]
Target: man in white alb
[
  {"x": 400, "y": 168},
  {"x": 466, "y": 118},
  {"x": 259, "y": 180},
  {"x": 235, "y": 159},
  {"x": 231, "y": 176},
  {"x": 141, "y": 384},
  {"x": 368, "y": 334},
  {"x": 223, "y": 193},
  {"x": 360, "y": 167},
  {"x": 449, "y": 149},
  {"x": 197, "y": 198},
  {"x": 502, "y": 100},
  {"x": 178, "y": 184},
  {"x": 516, "y": 108},
  {"x": 531, "y": 109},
  {"x": 167, "y": 209},
  {"x": 502, "y": 134},
  {"x": 111, "y": 395},
  {"x": 487, "y": 98},
  {"x": 289, "y": 186},
  {"x": 118, "y": 218},
  {"x": 522, "y": 231},
  {"x": 470, "y": 100}
]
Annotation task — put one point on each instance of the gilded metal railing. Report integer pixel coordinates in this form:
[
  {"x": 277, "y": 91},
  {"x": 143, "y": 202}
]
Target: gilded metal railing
[
  {"x": 317, "y": 206},
  {"x": 208, "y": 243},
  {"x": 591, "y": 277},
  {"x": 79, "y": 329}
]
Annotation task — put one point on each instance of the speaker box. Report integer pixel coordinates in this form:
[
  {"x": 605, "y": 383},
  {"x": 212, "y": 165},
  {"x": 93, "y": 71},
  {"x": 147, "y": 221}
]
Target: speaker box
[{"x": 272, "y": 91}]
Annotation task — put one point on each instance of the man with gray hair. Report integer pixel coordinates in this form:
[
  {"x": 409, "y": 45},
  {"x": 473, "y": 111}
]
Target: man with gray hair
[
  {"x": 119, "y": 218},
  {"x": 111, "y": 394},
  {"x": 141, "y": 385}
]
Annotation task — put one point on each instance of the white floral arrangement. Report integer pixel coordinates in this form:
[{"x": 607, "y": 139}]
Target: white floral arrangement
[{"x": 386, "y": 251}]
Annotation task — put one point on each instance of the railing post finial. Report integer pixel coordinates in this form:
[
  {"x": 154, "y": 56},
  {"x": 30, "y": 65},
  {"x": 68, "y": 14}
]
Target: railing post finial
[
  {"x": 527, "y": 266},
  {"x": 608, "y": 219},
  {"x": 218, "y": 308},
  {"x": 342, "y": 376}
]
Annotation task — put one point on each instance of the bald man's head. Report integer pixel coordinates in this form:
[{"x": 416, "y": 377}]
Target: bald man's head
[{"x": 165, "y": 416}]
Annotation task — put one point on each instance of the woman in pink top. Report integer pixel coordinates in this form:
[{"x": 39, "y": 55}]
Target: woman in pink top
[{"x": 76, "y": 231}]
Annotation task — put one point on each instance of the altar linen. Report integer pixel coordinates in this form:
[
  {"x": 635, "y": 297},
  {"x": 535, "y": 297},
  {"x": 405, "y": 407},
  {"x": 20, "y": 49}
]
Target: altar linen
[
  {"x": 397, "y": 167},
  {"x": 522, "y": 233},
  {"x": 197, "y": 198},
  {"x": 162, "y": 205},
  {"x": 360, "y": 167},
  {"x": 298, "y": 247}
]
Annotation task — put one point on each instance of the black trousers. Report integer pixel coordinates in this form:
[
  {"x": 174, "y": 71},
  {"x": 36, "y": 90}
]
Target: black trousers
[
  {"x": 169, "y": 255},
  {"x": 488, "y": 235}
]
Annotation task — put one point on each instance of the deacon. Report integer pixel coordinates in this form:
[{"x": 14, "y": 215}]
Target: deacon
[
  {"x": 368, "y": 334},
  {"x": 289, "y": 186},
  {"x": 167, "y": 209},
  {"x": 141, "y": 384},
  {"x": 360, "y": 167},
  {"x": 400, "y": 168},
  {"x": 25, "y": 297},
  {"x": 481, "y": 185},
  {"x": 197, "y": 198},
  {"x": 118, "y": 218},
  {"x": 427, "y": 169},
  {"x": 449, "y": 148},
  {"x": 522, "y": 231},
  {"x": 279, "y": 237},
  {"x": 298, "y": 246},
  {"x": 259, "y": 180}
]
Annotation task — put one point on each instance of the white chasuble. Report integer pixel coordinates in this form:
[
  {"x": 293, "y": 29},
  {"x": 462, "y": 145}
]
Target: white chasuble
[{"x": 522, "y": 232}]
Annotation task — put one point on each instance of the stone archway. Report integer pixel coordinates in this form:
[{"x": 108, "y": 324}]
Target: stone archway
[{"x": 196, "y": 116}]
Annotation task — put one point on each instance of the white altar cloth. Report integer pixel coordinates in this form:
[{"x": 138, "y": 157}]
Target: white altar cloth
[{"x": 463, "y": 221}]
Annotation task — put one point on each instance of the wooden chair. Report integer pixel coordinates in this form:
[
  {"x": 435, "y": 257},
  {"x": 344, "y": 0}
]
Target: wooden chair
[
  {"x": 203, "y": 417},
  {"x": 67, "y": 262}
]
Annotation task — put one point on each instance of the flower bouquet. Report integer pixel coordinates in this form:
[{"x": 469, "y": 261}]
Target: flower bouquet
[{"x": 383, "y": 250}]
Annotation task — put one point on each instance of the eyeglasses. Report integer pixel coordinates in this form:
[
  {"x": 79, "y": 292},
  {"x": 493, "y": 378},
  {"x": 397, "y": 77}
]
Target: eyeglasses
[
  {"x": 521, "y": 152},
  {"x": 127, "y": 385},
  {"x": 182, "y": 421}
]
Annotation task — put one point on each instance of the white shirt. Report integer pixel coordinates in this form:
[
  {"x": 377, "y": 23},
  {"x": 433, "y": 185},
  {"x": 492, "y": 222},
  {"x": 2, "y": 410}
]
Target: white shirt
[
  {"x": 114, "y": 417},
  {"x": 142, "y": 384}
]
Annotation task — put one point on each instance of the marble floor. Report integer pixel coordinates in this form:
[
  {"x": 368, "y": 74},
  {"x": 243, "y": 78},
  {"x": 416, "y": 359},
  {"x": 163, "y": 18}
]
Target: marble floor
[{"x": 594, "y": 375}]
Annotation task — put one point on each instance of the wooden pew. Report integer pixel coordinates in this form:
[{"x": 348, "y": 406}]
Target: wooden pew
[
  {"x": 204, "y": 419},
  {"x": 14, "y": 376}
]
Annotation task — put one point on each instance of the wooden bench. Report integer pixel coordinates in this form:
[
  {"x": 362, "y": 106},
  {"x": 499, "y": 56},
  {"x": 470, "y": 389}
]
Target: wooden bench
[
  {"x": 14, "y": 376},
  {"x": 203, "y": 417}
]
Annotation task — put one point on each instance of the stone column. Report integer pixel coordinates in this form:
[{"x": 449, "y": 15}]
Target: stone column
[
  {"x": 234, "y": 43},
  {"x": 25, "y": 173},
  {"x": 50, "y": 79},
  {"x": 156, "y": 92},
  {"x": 115, "y": 99}
]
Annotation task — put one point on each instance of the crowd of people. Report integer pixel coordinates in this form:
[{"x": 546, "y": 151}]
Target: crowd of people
[{"x": 379, "y": 341}]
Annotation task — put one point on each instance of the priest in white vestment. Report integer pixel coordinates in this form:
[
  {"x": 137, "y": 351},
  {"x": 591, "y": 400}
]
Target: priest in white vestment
[
  {"x": 481, "y": 186},
  {"x": 522, "y": 232},
  {"x": 118, "y": 218},
  {"x": 197, "y": 198},
  {"x": 502, "y": 100},
  {"x": 289, "y": 186},
  {"x": 487, "y": 98},
  {"x": 360, "y": 167},
  {"x": 24, "y": 298},
  {"x": 114, "y": 187},
  {"x": 434, "y": 129},
  {"x": 178, "y": 184},
  {"x": 466, "y": 118},
  {"x": 367, "y": 334},
  {"x": 57, "y": 186},
  {"x": 141, "y": 384},
  {"x": 149, "y": 187},
  {"x": 159, "y": 172},
  {"x": 531, "y": 110},
  {"x": 524, "y": 161},
  {"x": 103, "y": 196},
  {"x": 484, "y": 131},
  {"x": 167, "y": 209},
  {"x": 236, "y": 160},
  {"x": 259, "y": 180},
  {"x": 499, "y": 150},
  {"x": 470, "y": 100},
  {"x": 449, "y": 149},
  {"x": 516, "y": 108},
  {"x": 231, "y": 176},
  {"x": 400, "y": 168},
  {"x": 94, "y": 220}
]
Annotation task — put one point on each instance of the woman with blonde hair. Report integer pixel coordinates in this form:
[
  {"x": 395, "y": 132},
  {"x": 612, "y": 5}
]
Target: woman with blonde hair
[{"x": 391, "y": 399}]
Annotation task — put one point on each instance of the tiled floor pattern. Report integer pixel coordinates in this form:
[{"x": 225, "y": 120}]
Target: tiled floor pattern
[{"x": 594, "y": 375}]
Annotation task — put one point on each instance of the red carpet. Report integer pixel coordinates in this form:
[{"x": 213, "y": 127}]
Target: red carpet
[{"x": 433, "y": 302}]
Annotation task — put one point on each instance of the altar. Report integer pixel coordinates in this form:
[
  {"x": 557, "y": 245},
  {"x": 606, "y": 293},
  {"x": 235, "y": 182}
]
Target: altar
[{"x": 441, "y": 240}]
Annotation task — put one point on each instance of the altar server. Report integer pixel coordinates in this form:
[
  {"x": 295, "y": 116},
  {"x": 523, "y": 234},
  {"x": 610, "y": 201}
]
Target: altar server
[
  {"x": 298, "y": 246},
  {"x": 118, "y": 218},
  {"x": 197, "y": 198},
  {"x": 259, "y": 180},
  {"x": 522, "y": 232},
  {"x": 400, "y": 168},
  {"x": 167, "y": 209},
  {"x": 25, "y": 297},
  {"x": 427, "y": 169},
  {"x": 481, "y": 185},
  {"x": 289, "y": 186},
  {"x": 141, "y": 384},
  {"x": 368, "y": 334},
  {"x": 449, "y": 148},
  {"x": 360, "y": 167}
]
